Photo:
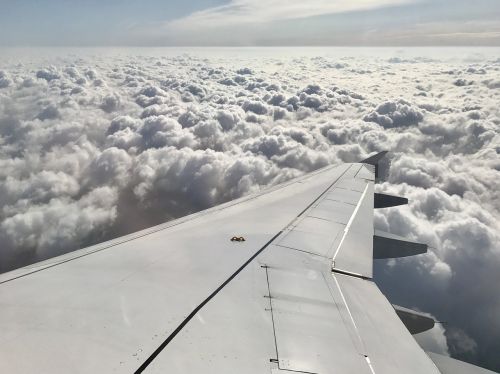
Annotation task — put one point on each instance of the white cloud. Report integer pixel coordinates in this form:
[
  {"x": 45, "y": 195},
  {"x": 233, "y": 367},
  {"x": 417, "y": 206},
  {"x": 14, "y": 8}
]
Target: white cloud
[
  {"x": 395, "y": 114},
  {"x": 474, "y": 31},
  {"x": 59, "y": 224},
  {"x": 259, "y": 11},
  {"x": 434, "y": 340},
  {"x": 4, "y": 79}
]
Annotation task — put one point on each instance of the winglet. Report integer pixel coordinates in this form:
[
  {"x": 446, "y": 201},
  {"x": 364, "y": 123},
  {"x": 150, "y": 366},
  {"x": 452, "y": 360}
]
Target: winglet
[{"x": 373, "y": 160}]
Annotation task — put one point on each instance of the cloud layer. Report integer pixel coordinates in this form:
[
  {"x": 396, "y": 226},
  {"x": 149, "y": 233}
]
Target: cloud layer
[
  {"x": 97, "y": 146},
  {"x": 259, "y": 11}
]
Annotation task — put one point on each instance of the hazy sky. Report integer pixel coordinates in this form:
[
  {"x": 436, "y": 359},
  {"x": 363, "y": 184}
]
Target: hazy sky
[{"x": 249, "y": 22}]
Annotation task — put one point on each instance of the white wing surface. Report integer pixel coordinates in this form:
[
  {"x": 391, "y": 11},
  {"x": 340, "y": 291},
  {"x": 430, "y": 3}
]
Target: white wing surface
[{"x": 295, "y": 296}]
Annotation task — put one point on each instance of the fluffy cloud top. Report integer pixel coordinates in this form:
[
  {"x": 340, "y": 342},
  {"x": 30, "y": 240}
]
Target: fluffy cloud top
[
  {"x": 395, "y": 114},
  {"x": 94, "y": 147}
]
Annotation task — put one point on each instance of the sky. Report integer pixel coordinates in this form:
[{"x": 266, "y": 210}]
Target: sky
[{"x": 249, "y": 22}]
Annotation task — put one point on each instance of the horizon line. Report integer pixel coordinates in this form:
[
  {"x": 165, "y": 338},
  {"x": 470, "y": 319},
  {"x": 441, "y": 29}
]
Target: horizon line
[{"x": 254, "y": 46}]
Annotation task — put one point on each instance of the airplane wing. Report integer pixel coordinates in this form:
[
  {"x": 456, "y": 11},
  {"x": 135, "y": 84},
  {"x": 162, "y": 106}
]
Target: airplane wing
[{"x": 279, "y": 281}]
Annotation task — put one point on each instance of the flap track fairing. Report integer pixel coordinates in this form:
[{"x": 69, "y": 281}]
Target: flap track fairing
[
  {"x": 386, "y": 245},
  {"x": 415, "y": 322},
  {"x": 383, "y": 200}
]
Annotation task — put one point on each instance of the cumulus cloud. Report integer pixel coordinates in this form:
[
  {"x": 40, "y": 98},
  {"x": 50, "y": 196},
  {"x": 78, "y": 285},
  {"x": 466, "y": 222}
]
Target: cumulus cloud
[
  {"x": 49, "y": 74},
  {"x": 434, "y": 340},
  {"x": 53, "y": 227},
  {"x": 4, "y": 79},
  {"x": 454, "y": 208},
  {"x": 93, "y": 147},
  {"x": 395, "y": 114}
]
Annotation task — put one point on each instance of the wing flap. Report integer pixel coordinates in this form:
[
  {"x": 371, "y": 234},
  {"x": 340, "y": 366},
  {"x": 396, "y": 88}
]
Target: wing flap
[
  {"x": 307, "y": 322},
  {"x": 389, "y": 346}
]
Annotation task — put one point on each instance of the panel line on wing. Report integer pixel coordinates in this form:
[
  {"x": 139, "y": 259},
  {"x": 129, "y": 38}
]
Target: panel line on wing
[
  {"x": 277, "y": 361},
  {"x": 334, "y": 214},
  {"x": 300, "y": 250},
  {"x": 339, "y": 201},
  {"x": 271, "y": 310},
  {"x": 309, "y": 316},
  {"x": 325, "y": 219},
  {"x": 324, "y": 192},
  {"x": 358, "y": 341}
]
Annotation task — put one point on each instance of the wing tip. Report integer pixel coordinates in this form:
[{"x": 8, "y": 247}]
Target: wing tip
[{"x": 374, "y": 159}]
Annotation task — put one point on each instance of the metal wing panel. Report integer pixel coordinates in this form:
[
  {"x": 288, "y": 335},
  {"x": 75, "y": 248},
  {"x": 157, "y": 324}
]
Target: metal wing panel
[
  {"x": 310, "y": 334},
  {"x": 334, "y": 211},
  {"x": 313, "y": 235},
  {"x": 353, "y": 184},
  {"x": 366, "y": 172},
  {"x": 388, "y": 345},
  {"x": 343, "y": 195},
  {"x": 231, "y": 334}
]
